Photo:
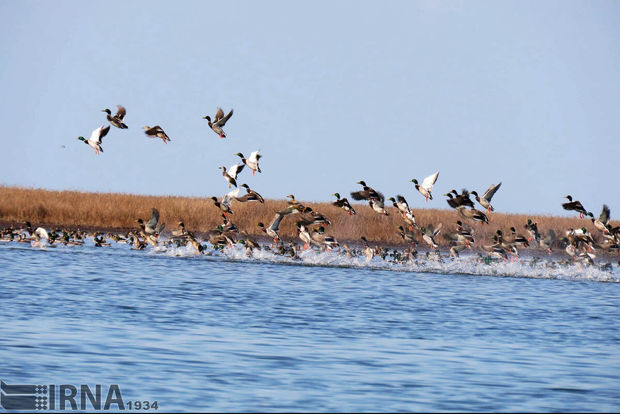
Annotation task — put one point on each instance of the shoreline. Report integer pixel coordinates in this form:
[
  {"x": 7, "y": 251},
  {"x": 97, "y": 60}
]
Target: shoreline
[{"x": 116, "y": 212}]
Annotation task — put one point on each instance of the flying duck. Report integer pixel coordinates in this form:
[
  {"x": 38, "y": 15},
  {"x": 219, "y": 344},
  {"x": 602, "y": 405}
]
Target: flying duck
[
  {"x": 156, "y": 132},
  {"x": 96, "y": 138},
  {"x": 218, "y": 122},
  {"x": 574, "y": 205},
  {"x": 427, "y": 185},
  {"x": 251, "y": 162},
  {"x": 485, "y": 200},
  {"x": 117, "y": 119}
]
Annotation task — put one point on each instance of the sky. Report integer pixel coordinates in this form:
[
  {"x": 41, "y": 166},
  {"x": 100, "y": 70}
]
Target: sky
[{"x": 526, "y": 93}]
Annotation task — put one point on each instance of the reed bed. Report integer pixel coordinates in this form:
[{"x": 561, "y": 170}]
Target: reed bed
[{"x": 114, "y": 211}]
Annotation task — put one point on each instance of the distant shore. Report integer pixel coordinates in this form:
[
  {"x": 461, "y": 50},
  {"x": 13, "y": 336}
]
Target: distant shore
[{"x": 114, "y": 212}]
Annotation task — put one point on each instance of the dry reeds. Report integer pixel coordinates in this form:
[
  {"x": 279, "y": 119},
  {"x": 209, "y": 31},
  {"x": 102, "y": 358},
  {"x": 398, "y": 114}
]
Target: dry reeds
[{"x": 111, "y": 211}]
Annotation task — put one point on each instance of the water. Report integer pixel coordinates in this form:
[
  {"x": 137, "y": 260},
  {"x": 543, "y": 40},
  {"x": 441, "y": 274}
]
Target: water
[{"x": 211, "y": 333}]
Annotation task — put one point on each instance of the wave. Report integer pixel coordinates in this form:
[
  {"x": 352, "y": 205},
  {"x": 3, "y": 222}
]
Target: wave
[{"x": 474, "y": 265}]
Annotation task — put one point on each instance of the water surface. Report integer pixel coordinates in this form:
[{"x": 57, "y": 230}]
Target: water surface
[{"x": 210, "y": 333}]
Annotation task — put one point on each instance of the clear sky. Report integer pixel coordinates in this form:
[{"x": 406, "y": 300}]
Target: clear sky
[{"x": 331, "y": 92}]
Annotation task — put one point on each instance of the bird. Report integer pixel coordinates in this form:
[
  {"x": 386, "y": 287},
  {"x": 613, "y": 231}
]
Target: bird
[
  {"x": 274, "y": 226},
  {"x": 38, "y": 234},
  {"x": 225, "y": 207},
  {"x": 231, "y": 174},
  {"x": 532, "y": 229},
  {"x": 547, "y": 241},
  {"x": 117, "y": 119},
  {"x": 96, "y": 138},
  {"x": 602, "y": 222},
  {"x": 218, "y": 121},
  {"x": 251, "y": 195},
  {"x": 485, "y": 200},
  {"x": 429, "y": 234},
  {"x": 427, "y": 186},
  {"x": 574, "y": 205},
  {"x": 368, "y": 193},
  {"x": 156, "y": 132},
  {"x": 472, "y": 214},
  {"x": 378, "y": 206},
  {"x": 459, "y": 199},
  {"x": 343, "y": 203},
  {"x": 407, "y": 235},
  {"x": 375, "y": 198},
  {"x": 152, "y": 227},
  {"x": 401, "y": 204},
  {"x": 251, "y": 162},
  {"x": 304, "y": 235}
]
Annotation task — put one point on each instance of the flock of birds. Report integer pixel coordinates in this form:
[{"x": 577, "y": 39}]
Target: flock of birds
[{"x": 579, "y": 244}]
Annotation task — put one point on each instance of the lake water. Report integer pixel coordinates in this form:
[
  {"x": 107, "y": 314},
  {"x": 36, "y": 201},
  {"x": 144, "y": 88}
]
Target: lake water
[{"x": 227, "y": 333}]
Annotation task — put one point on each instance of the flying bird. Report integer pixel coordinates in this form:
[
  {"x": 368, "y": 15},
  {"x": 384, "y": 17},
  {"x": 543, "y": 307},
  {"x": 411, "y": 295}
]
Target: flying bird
[
  {"x": 218, "y": 121},
  {"x": 156, "y": 132},
  {"x": 95, "y": 138},
  {"x": 117, "y": 119},
  {"x": 485, "y": 200},
  {"x": 251, "y": 162},
  {"x": 427, "y": 186}
]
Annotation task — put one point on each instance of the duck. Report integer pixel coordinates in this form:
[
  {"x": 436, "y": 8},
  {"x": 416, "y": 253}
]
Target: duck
[
  {"x": 156, "y": 132},
  {"x": 368, "y": 193},
  {"x": 602, "y": 222},
  {"x": 39, "y": 234},
  {"x": 254, "y": 194},
  {"x": 225, "y": 207},
  {"x": 304, "y": 235},
  {"x": 485, "y": 200},
  {"x": 574, "y": 205},
  {"x": 532, "y": 229},
  {"x": 274, "y": 226},
  {"x": 403, "y": 207},
  {"x": 96, "y": 138},
  {"x": 547, "y": 241},
  {"x": 472, "y": 214},
  {"x": 427, "y": 186},
  {"x": 368, "y": 251},
  {"x": 343, "y": 203},
  {"x": 152, "y": 227},
  {"x": 117, "y": 119},
  {"x": 429, "y": 234},
  {"x": 251, "y": 162},
  {"x": 320, "y": 238},
  {"x": 378, "y": 206},
  {"x": 456, "y": 249},
  {"x": 218, "y": 121},
  {"x": 459, "y": 199},
  {"x": 231, "y": 174},
  {"x": 407, "y": 235}
]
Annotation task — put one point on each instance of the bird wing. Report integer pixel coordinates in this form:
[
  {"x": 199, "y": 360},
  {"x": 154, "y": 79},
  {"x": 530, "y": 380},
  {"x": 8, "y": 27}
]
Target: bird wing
[
  {"x": 228, "y": 197},
  {"x": 235, "y": 169},
  {"x": 221, "y": 122},
  {"x": 254, "y": 157},
  {"x": 604, "y": 217},
  {"x": 430, "y": 181},
  {"x": 437, "y": 230},
  {"x": 98, "y": 134},
  {"x": 152, "y": 223},
  {"x": 41, "y": 233},
  {"x": 152, "y": 130},
  {"x": 275, "y": 223},
  {"x": 218, "y": 115},
  {"x": 120, "y": 112},
  {"x": 488, "y": 195}
]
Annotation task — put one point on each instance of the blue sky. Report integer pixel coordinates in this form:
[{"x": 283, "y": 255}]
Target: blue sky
[{"x": 527, "y": 93}]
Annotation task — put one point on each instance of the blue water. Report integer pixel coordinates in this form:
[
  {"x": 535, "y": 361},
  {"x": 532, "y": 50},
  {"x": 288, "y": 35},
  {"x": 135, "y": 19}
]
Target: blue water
[{"x": 208, "y": 333}]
